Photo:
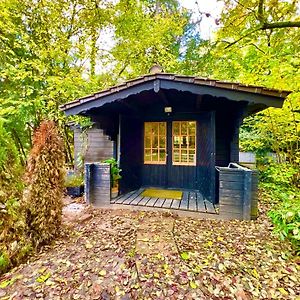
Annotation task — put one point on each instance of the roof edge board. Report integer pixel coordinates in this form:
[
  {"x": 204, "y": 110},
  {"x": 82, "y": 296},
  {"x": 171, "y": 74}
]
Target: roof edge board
[
  {"x": 234, "y": 95},
  {"x": 98, "y": 102},
  {"x": 166, "y": 81}
]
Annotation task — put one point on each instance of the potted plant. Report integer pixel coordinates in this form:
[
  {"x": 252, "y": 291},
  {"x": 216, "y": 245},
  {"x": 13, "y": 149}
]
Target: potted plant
[
  {"x": 114, "y": 176},
  {"x": 74, "y": 185}
]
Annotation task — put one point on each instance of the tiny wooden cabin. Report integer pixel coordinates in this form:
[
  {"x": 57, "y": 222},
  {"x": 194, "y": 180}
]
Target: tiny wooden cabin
[{"x": 171, "y": 131}]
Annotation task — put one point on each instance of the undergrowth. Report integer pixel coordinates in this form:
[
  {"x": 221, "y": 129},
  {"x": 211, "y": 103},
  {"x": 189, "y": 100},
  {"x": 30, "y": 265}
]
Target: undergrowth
[
  {"x": 279, "y": 188},
  {"x": 30, "y": 212}
]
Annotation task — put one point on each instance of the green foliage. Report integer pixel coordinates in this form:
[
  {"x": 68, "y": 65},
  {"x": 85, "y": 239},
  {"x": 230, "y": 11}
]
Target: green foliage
[
  {"x": 114, "y": 171},
  {"x": 277, "y": 184},
  {"x": 73, "y": 180},
  {"x": 276, "y": 175},
  {"x": 42, "y": 199},
  {"x": 4, "y": 261},
  {"x": 286, "y": 218},
  {"x": 14, "y": 244}
]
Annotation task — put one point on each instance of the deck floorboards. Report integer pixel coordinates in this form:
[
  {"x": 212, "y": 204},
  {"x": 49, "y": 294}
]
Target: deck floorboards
[{"x": 191, "y": 201}]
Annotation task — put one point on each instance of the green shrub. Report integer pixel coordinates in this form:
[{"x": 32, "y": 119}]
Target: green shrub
[
  {"x": 277, "y": 181},
  {"x": 114, "y": 171},
  {"x": 277, "y": 174},
  {"x": 286, "y": 218},
  {"x": 14, "y": 244},
  {"x": 74, "y": 180},
  {"x": 42, "y": 198}
]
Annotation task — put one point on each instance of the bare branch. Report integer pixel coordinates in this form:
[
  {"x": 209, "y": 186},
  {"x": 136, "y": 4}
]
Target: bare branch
[
  {"x": 242, "y": 37},
  {"x": 285, "y": 24}
]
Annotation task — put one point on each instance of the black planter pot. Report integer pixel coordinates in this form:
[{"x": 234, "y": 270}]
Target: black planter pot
[{"x": 75, "y": 191}]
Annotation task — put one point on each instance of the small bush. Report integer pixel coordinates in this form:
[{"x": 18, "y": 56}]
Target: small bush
[
  {"x": 286, "y": 218},
  {"x": 277, "y": 182},
  {"x": 14, "y": 245},
  {"x": 74, "y": 180},
  {"x": 42, "y": 198},
  {"x": 114, "y": 171}
]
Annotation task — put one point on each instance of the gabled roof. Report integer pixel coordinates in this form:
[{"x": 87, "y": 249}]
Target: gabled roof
[{"x": 197, "y": 85}]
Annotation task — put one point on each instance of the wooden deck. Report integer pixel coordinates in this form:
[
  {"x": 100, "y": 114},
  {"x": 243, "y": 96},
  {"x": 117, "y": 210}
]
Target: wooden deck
[{"x": 192, "y": 201}]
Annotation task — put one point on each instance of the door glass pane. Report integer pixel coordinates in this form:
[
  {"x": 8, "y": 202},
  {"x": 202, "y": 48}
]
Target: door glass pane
[
  {"x": 162, "y": 142},
  {"x": 176, "y": 156},
  {"x": 155, "y": 128},
  {"x": 184, "y": 143},
  {"x": 191, "y": 158},
  {"x": 192, "y": 128},
  {"x": 147, "y": 142},
  {"x": 192, "y": 142},
  {"x": 155, "y": 142},
  {"x": 162, "y": 155},
  {"x": 148, "y": 155},
  {"x": 162, "y": 128},
  {"x": 154, "y": 155},
  {"x": 176, "y": 130},
  {"x": 183, "y": 128}
]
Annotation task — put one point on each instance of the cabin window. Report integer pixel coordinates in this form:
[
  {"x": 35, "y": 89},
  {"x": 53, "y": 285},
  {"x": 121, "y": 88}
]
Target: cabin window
[
  {"x": 155, "y": 143},
  {"x": 184, "y": 143}
]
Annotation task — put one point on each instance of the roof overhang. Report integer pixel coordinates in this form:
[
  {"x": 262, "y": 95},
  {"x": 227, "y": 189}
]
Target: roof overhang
[{"x": 162, "y": 81}]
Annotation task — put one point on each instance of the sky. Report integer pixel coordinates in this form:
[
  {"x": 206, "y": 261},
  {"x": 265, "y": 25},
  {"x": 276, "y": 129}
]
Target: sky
[{"x": 213, "y": 7}]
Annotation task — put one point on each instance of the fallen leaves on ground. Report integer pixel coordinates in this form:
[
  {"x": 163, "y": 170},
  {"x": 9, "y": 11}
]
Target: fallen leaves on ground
[{"x": 146, "y": 255}]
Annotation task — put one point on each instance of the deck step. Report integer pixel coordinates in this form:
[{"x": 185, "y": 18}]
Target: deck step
[
  {"x": 184, "y": 204},
  {"x": 209, "y": 207},
  {"x": 191, "y": 201},
  {"x": 200, "y": 202}
]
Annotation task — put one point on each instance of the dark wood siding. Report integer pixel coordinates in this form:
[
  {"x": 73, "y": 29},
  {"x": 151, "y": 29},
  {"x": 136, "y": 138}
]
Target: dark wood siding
[
  {"x": 154, "y": 175},
  {"x": 131, "y": 157},
  {"x": 206, "y": 156}
]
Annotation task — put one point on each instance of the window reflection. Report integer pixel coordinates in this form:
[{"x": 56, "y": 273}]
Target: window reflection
[
  {"x": 155, "y": 142},
  {"x": 184, "y": 142}
]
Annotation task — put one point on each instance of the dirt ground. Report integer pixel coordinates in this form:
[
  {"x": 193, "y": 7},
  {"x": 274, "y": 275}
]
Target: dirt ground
[{"x": 121, "y": 254}]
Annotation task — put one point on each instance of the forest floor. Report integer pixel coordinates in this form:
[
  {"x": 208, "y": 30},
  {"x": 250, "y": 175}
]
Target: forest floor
[{"x": 145, "y": 255}]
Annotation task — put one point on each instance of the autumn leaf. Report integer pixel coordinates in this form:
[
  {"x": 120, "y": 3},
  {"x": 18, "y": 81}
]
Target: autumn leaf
[
  {"x": 193, "y": 285},
  {"x": 43, "y": 278},
  {"x": 283, "y": 291},
  {"x": 185, "y": 255}
]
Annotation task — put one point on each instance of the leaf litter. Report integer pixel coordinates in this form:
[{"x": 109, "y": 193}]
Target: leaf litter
[{"x": 120, "y": 254}]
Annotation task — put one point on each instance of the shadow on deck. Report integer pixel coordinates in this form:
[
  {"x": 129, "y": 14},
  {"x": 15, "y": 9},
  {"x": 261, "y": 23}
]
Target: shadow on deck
[{"x": 191, "y": 201}]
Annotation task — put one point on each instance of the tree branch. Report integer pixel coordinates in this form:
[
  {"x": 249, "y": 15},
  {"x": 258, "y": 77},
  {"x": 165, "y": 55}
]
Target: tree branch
[
  {"x": 284, "y": 24},
  {"x": 242, "y": 37},
  {"x": 260, "y": 11}
]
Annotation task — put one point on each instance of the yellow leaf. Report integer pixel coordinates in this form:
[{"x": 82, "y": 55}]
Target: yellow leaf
[
  {"x": 283, "y": 291},
  {"x": 209, "y": 243},
  {"x": 255, "y": 274},
  {"x": 193, "y": 285},
  {"x": 102, "y": 273},
  {"x": 43, "y": 278}
]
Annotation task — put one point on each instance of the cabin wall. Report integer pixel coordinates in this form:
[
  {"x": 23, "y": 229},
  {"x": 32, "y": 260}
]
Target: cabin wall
[
  {"x": 93, "y": 144},
  {"x": 228, "y": 122}
]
